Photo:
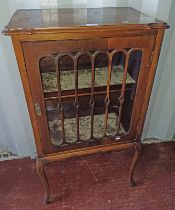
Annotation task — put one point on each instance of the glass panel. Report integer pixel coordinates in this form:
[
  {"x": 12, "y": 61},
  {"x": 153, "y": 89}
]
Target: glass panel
[
  {"x": 99, "y": 116},
  {"x": 101, "y": 77},
  {"x": 67, "y": 78},
  {"x": 84, "y": 72},
  {"x": 54, "y": 122},
  {"x": 117, "y": 72},
  {"x": 90, "y": 108},
  {"x": 84, "y": 81},
  {"x": 129, "y": 94},
  {"x": 49, "y": 83},
  {"x": 101, "y": 70},
  {"x": 67, "y": 81},
  {"x": 48, "y": 74}
]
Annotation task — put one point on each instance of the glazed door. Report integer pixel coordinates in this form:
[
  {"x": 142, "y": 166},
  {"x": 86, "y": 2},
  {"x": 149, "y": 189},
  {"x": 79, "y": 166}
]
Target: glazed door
[{"x": 88, "y": 92}]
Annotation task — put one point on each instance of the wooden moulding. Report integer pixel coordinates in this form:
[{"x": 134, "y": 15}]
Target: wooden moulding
[
  {"x": 87, "y": 151},
  {"x": 38, "y": 21}
]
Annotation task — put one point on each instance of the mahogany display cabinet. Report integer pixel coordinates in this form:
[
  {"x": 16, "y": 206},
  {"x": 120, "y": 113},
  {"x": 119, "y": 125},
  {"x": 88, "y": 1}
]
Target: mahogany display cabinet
[{"x": 87, "y": 76}]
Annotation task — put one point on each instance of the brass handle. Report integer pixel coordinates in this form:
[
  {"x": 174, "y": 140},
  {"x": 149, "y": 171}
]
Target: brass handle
[{"x": 38, "y": 109}]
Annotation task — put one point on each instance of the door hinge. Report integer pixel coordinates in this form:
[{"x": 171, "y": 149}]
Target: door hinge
[{"x": 38, "y": 109}]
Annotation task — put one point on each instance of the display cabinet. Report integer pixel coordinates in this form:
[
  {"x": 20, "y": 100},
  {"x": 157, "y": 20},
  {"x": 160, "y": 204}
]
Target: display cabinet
[{"x": 87, "y": 76}]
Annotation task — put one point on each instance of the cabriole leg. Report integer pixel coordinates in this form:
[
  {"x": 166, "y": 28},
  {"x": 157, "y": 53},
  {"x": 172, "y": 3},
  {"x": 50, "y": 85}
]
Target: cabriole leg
[
  {"x": 40, "y": 167},
  {"x": 137, "y": 155}
]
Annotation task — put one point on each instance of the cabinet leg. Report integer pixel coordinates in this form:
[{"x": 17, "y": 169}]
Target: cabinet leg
[
  {"x": 137, "y": 155},
  {"x": 40, "y": 167}
]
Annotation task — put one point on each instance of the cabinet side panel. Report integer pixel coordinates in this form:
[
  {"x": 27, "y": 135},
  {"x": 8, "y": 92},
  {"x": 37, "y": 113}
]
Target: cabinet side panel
[
  {"x": 142, "y": 84},
  {"x": 27, "y": 91},
  {"x": 152, "y": 70}
]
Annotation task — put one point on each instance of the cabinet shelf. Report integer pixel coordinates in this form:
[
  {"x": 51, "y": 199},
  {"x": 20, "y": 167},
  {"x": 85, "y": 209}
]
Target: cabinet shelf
[
  {"x": 67, "y": 79},
  {"x": 69, "y": 112},
  {"x": 86, "y": 92},
  {"x": 70, "y": 128}
]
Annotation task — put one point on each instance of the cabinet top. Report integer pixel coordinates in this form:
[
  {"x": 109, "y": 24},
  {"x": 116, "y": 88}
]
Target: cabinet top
[{"x": 49, "y": 20}]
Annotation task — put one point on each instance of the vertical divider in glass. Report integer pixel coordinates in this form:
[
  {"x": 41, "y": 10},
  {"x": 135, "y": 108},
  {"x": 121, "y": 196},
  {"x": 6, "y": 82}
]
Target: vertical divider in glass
[
  {"x": 60, "y": 103},
  {"x": 76, "y": 102},
  {"x": 92, "y": 102},
  {"x": 121, "y": 98},
  {"x": 107, "y": 99}
]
